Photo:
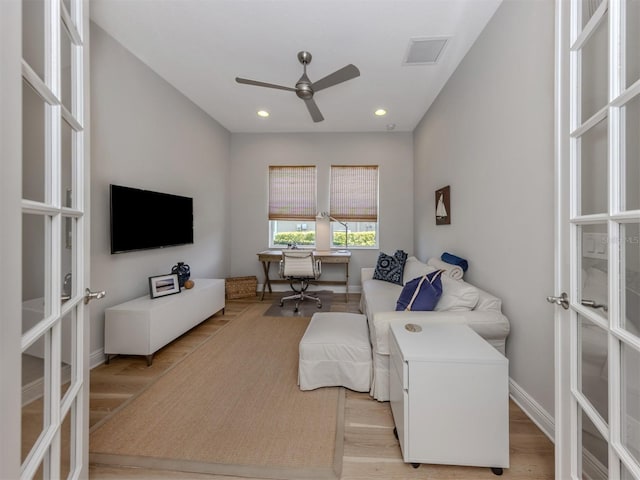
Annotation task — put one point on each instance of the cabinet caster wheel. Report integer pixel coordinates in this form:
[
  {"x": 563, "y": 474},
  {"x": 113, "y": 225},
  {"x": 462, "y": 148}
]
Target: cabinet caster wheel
[
  {"x": 415, "y": 465},
  {"x": 496, "y": 471},
  {"x": 295, "y": 310},
  {"x": 395, "y": 433}
]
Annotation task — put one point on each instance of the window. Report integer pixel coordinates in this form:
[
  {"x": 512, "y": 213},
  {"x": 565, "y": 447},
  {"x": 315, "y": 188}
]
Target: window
[
  {"x": 292, "y": 205},
  {"x": 354, "y": 203}
]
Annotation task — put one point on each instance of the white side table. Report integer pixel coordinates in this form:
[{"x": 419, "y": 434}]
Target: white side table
[{"x": 449, "y": 396}]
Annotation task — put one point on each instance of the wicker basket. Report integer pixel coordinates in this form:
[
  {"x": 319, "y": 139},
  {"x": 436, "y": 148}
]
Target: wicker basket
[{"x": 241, "y": 287}]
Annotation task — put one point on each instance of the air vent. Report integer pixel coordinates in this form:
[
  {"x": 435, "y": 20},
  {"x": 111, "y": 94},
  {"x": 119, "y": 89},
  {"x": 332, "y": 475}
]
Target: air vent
[{"x": 424, "y": 51}]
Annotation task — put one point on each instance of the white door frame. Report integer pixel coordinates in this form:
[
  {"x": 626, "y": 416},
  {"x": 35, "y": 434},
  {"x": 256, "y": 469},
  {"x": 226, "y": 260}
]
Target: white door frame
[
  {"x": 12, "y": 206},
  {"x": 561, "y": 280},
  {"x": 569, "y": 398},
  {"x": 10, "y": 235}
]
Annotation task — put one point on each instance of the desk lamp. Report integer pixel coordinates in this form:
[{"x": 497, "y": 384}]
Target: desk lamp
[{"x": 344, "y": 224}]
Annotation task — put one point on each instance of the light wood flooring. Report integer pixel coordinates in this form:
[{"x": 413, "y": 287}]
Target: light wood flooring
[{"x": 370, "y": 448}]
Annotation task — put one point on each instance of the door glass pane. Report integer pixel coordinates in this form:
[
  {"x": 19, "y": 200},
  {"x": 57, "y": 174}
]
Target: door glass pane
[
  {"x": 595, "y": 77},
  {"x": 594, "y": 268},
  {"x": 66, "y": 257},
  {"x": 34, "y": 370},
  {"x": 588, "y": 9},
  {"x": 592, "y": 449},
  {"x": 593, "y": 169},
  {"x": 632, "y": 41},
  {"x": 33, "y": 157},
  {"x": 594, "y": 365},
  {"x": 33, "y": 47},
  {"x": 33, "y": 258},
  {"x": 68, "y": 354},
  {"x": 66, "y": 173},
  {"x": 66, "y": 432},
  {"x": 630, "y": 277},
  {"x": 631, "y": 156},
  {"x": 630, "y": 410},
  {"x": 65, "y": 67},
  {"x": 625, "y": 474}
]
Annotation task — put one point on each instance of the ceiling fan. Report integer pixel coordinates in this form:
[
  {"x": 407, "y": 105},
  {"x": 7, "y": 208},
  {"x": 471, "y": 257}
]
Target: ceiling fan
[{"x": 305, "y": 88}]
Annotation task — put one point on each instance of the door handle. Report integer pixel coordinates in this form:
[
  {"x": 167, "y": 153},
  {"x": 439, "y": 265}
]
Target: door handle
[
  {"x": 89, "y": 295},
  {"x": 593, "y": 304},
  {"x": 562, "y": 300}
]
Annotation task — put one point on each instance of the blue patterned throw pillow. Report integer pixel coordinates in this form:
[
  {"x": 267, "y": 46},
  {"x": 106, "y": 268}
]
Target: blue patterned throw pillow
[
  {"x": 390, "y": 267},
  {"x": 422, "y": 293}
]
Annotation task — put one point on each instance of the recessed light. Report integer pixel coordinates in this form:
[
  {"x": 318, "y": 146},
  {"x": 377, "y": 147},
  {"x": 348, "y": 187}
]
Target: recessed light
[
  {"x": 263, "y": 113},
  {"x": 380, "y": 112}
]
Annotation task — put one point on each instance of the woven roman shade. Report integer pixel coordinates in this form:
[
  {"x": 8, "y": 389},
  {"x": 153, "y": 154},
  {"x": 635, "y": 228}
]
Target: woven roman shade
[
  {"x": 292, "y": 193},
  {"x": 354, "y": 193}
]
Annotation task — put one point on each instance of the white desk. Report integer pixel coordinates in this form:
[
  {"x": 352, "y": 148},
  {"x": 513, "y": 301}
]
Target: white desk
[
  {"x": 269, "y": 256},
  {"x": 449, "y": 396}
]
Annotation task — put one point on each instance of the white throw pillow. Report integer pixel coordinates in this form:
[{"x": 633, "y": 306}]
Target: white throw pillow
[
  {"x": 457, "y": 295},
  {"x": 414, "y": 268}
]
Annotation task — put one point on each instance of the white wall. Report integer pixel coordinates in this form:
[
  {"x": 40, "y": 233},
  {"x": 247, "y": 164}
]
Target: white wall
[
  {"x": 489, "y": 135},
  {"x": 251, "y": 155},
  {"x": 146, "y": 134}
]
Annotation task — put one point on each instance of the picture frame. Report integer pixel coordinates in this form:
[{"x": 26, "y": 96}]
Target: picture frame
[
  {"x": 443, "y": 206},
  {"x": 163, "y": 285}
]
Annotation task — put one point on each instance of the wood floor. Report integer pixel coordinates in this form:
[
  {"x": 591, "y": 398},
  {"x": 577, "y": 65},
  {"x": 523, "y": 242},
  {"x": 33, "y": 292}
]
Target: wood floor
[{"x": 370, "y": 448}]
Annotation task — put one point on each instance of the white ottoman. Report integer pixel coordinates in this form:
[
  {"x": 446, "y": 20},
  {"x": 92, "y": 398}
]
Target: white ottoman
[{"x": 335, "y": 351}]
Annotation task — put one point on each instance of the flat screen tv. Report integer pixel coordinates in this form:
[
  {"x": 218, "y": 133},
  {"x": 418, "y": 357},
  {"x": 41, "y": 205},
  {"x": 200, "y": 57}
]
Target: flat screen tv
[{"x": 142, "y": 219}]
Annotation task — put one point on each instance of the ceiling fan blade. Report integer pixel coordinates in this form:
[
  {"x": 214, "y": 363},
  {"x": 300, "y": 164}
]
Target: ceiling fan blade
[
  {"x": 263, "y": 84},
  {"x": 339, "y": 76},
  {"x": 314, "y": 110}
]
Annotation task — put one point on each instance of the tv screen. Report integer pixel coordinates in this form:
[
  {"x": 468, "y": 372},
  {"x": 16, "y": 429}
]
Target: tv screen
[{"x": 142, "y": 219}]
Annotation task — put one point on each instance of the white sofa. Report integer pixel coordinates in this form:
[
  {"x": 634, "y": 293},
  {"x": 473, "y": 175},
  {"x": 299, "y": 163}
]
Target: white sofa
[{"x": 461, "y": 302}]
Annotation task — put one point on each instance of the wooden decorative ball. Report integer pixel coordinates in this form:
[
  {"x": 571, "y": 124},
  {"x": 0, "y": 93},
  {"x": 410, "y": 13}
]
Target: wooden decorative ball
[{"x": 189, "y": 284}]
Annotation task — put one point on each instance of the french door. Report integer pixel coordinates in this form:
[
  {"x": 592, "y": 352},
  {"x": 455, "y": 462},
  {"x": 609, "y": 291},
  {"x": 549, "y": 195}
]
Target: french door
[
  {"x": 54, "y": 235},
  {"x": 598, "y": 241}
]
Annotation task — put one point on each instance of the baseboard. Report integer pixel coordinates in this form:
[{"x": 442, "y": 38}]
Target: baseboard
[
  {"x": 532, "y": 409},
  {"x": 96, "y": 358},
  {"x": 34, "y": 390},
  {"x": 334, "y": 288}
]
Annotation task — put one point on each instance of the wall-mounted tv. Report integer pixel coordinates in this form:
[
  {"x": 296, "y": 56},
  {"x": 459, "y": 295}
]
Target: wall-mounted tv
[{"x": 142, "y": 219}]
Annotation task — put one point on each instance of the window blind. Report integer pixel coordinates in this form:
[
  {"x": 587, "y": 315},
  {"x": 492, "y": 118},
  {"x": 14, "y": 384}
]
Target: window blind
[
  {"x": 354, "y": 193},
  {"x": 292, "y": 193}
]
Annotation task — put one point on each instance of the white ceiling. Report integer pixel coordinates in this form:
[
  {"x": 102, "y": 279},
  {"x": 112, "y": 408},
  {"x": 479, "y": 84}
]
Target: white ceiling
[{"x": 200, "y": 46}]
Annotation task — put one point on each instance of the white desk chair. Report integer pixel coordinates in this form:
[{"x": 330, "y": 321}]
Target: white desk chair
[{"x": 300, "y": 268}]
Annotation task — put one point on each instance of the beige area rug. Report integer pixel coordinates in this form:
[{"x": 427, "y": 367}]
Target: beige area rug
[{"x": 232, "y": 407}]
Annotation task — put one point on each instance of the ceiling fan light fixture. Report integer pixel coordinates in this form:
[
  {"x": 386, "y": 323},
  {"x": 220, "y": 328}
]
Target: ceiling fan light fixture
[
  {"x": 305, "y": 88},
  {"x": 380, "y": 112},
  {"x": 263, "y": 113}
]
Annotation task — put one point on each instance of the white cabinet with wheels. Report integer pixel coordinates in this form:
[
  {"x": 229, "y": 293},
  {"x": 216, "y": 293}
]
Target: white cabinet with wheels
[
  {"x": 449, "y": 396},
  {"x": 144, "y": 325}
]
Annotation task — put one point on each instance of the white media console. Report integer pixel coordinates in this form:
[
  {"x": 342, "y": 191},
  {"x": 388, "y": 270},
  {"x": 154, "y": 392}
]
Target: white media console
[{"x": 144, "y": 325}]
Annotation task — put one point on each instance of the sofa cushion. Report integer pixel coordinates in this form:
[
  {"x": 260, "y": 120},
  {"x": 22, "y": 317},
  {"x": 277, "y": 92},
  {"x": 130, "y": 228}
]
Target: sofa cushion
[
  {"x": 457, "y": 295},
  {"x": 414, "y": 268},
  {"x": 390, "y": 267}
]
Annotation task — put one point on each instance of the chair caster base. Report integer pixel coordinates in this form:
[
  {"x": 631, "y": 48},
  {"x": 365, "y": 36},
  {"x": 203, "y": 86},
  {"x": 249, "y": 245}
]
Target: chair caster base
[{"x": 496, "y": 471}]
